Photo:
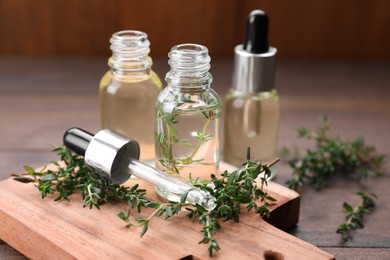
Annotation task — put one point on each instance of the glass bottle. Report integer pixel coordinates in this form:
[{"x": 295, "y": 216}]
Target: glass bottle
[
  {"x": 252, "y": 106},
  {"x": 128, "y": 88},
  {"x": 188, "y": 117}
]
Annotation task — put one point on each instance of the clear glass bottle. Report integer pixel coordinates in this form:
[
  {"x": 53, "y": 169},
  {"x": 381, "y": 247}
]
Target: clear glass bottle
[
  {"x": 252, "y": 120},
  {"x": 252, "y": 106},
  {"x": 188, "y": 117},
  {"x": 128, "y": 89}
]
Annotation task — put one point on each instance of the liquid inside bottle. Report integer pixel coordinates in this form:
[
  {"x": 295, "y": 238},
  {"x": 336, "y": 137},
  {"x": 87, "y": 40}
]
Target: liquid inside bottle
[
  {"x": 188, "y": 141},
  {"x": 251, "y": 118},
  {"x": 188, "y": 115},
  {"x": 252, "y": 106},
  {"x": 128, "y": 90}
]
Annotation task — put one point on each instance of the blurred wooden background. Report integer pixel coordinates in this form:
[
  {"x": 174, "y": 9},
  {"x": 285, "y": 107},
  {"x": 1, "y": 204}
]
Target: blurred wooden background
[{"x": 308, "y": 29}]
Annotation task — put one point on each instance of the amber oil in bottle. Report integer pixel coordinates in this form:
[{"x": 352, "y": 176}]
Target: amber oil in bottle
[{"x": 128, "y": 90}]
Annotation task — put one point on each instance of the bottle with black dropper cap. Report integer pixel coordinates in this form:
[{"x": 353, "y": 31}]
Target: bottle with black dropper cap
[{"x": 252, "y": 108}]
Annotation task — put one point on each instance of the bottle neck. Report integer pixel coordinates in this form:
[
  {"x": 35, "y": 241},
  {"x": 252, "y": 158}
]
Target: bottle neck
[
  {"x": 130, "y": 53},
  {"x": 190, "y": 64}
]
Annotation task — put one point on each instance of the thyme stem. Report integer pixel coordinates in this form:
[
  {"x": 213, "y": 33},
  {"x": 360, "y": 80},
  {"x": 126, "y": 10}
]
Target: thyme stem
[
  {"x": 231, "y": 190},
  {"x": 199, "y": 141},
  {"x": 332, "y": 155},
  {"x": 355, "y": 215},
  {"x": 170, "y": 145}
]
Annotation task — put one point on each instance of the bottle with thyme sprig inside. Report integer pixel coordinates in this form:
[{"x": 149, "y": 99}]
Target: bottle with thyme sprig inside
[{"x": 188, "y": 115}]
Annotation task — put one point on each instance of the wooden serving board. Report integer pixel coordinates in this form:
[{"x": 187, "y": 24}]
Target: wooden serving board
[{"x": 44, "y": 229}]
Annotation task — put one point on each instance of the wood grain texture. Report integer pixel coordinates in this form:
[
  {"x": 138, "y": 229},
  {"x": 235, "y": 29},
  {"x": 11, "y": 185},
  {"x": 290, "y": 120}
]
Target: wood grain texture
[
  {"x": 359, "y": 253},
  {"x": 7, "y": 252},
  {"x": 349, "y": 29},
  {"x": 32, "y": 225},
  {"x": 37, "y": 95}
]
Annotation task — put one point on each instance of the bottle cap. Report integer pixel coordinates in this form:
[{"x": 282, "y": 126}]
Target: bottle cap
[
  {"x": 108, "y": 152},
  {"x": 254, "y": 61}
]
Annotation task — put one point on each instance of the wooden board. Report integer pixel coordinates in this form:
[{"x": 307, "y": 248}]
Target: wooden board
[{"x": 65, "y": 230}]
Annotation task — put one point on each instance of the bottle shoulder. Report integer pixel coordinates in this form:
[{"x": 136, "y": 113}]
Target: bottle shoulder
[
  {"x": 266, "y": 95},
  {"x": 172, "y": 99},
  {"x": 156, "y": 80},
  {"x": 147, "y": 80}
]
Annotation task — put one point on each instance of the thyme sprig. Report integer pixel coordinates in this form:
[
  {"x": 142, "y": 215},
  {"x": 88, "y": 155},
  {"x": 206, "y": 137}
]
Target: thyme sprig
[
  {"x": 168, "y": 138},
  {"x": 71, "y": 175},
  {"x": 354, "y": 216},
  {"x": 231, "y": 191},
  {"x": 332, "y": 155}
]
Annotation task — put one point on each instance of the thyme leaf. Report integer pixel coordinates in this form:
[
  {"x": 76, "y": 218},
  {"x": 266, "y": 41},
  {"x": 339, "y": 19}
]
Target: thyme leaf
[
  {"x": 332, "y": 155},
  {"x": 231, "y": 190},
  {"x": 354, "y": 216},
  {"x": 168, "y": 138}
]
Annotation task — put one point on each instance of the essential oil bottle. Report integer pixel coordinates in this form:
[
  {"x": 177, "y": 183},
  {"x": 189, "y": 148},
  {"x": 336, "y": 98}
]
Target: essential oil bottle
[
  {"x": 252, "y": 107},
  {"x": 188, "y": 115},
  {"x": 128, "y": 89}
]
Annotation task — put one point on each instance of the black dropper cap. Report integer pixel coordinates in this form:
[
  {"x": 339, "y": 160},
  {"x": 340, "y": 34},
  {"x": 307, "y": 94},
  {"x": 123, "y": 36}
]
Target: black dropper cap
[
  {"x": 77, "y": 140},
  {"x": 254, "y": 61},
  {"x": 108, "y": 152},
  {"x": 257, "y": 32}
]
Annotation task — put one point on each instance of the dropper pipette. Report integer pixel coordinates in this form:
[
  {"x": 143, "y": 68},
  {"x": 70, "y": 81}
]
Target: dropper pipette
[{"x": 116, "y": 157}]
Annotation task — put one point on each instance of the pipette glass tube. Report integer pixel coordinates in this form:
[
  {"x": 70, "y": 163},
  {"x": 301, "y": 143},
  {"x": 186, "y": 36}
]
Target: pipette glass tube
[
  {"x": 172, "y": 186},
  {"x": 116, "y": 157}
]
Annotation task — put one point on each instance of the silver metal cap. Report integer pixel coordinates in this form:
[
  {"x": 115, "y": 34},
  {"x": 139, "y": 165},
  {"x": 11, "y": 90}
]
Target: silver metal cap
[
  {"x": 254, "y": 72},
  {"x": 110, "y": 153}
]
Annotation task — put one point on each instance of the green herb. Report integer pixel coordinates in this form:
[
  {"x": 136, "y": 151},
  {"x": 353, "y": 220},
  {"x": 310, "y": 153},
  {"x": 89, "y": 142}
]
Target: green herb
[
  {"x": 71, "y": 175},
  {"x": 354, "y": 216},
  {"x": 231, "y": 190},
  {"x": 169, "y": 139},
  {"x": 332, "y": 155}
]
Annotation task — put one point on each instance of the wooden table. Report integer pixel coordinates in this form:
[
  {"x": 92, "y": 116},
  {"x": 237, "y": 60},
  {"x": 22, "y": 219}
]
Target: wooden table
[{"x": 40, "y": 98}]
